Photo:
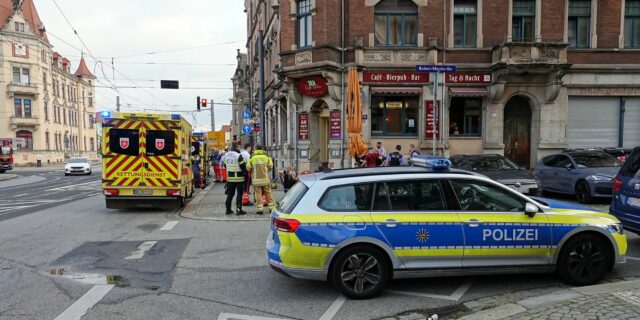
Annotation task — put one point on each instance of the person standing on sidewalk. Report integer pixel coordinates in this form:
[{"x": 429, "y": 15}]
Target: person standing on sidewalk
[
  {"x": 246, "y": 155},
  {"x": 395, "y": 158},
  {"x": 236, "y": 168},
  {"x": 260, "y": 165}
]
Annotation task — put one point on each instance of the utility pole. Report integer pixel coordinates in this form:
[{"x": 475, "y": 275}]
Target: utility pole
[
  {"x": 118, "y": 103},
  {"x": 261, "y": 89},
  {"x": 213, "y": 117}
]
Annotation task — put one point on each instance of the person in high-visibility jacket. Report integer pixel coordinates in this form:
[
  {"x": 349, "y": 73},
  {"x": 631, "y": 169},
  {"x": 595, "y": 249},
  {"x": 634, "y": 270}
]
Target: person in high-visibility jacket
[
  {"x": 259, "y": 167},
  {"x": 235, "y": 166}
]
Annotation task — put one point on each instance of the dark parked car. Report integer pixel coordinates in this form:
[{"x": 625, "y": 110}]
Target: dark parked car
[
  {"x": 585, "y": 174},
  {"x": 626, "y": 193},
  {"x": 500, "y": 169}
]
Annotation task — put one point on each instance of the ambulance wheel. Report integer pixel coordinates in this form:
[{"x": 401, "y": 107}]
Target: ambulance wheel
[
  {"x": 584, "y": 260},
  {"x": 360, "y": 272},
  {"x": 181, "y": 201}
]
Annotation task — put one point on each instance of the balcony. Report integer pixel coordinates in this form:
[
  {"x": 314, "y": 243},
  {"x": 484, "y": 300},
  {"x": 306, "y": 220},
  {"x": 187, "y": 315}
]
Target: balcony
[
  {"x": 14, "y": 89},
  {"x": 535, "y": 57},
  {"x": 22, "y": 122}
]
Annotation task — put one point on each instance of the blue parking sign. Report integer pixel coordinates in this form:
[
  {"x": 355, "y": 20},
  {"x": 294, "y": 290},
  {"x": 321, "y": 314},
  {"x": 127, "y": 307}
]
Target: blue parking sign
[{"x": 246, "y": 129}]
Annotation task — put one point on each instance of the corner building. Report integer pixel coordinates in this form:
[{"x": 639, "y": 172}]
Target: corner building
[{"x": 533, "y": 76}]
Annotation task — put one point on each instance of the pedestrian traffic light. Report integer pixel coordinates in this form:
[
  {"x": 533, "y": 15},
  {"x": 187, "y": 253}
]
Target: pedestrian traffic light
[
  {"x": 198, "y": 103},
  {"x": 203, "y": 103}
]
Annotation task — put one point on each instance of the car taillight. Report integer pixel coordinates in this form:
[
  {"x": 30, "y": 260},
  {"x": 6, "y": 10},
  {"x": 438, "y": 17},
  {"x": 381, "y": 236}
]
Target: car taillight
[
  {"x": 617, "y": 184},
  {"x": 286, "y": 225},
  {"x": 111, "y": 192},
  {"x": 171, "y": 193}
]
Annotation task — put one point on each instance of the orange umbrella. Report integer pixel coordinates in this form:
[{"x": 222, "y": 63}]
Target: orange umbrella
[{"x": 357, "y": 147}]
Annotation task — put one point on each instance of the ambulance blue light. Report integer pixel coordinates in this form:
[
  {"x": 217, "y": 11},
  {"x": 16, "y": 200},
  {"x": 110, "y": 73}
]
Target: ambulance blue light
[
  {"x": 105, "y": 114},
  {"x": 175, "y": 117},
  {"x": 432, "y": 162}
]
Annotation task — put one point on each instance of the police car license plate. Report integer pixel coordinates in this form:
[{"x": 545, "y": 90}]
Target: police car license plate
[
  {"x": 633, "y": 202},
  {"x": 142, "y": 192}
]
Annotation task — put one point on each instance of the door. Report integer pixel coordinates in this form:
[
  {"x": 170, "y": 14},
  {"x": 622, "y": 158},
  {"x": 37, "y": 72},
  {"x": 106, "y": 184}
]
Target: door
[
  {"x": 417, "y": 223},
  {"x": 497, "y": 232},
  {"x": 544, "y": 172},
  {"x": 564, "y": 174},
  {"x": 161, "y": 155},
  {"x": 517, "y": 131},
  {"x": 593, "y": 122},
  {"x": 122, "y": 157}
]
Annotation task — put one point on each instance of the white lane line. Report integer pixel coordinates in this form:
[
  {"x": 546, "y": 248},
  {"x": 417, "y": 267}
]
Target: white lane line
[
  {"x": 144, "y": 247},
  {"x": 633, "y": 258},
  {"x": 20, "y": 195},
  {"x": 455, "y": 296},
  {"x": 461, "y": 290},
  {"x": 233, "y": 316},
  {"x": 333, "y": 309},
  {"x": 86, "y": 302},
  {"x": 169, "y": 226}
]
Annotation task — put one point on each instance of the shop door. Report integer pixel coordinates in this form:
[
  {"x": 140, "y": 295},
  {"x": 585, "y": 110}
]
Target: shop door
[
  {"x": 517, "y": 131},
  {"x": 593, "y": 122}
]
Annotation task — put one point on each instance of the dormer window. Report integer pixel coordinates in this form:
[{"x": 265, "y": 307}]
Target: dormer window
[{"x": 19, "y": 26}]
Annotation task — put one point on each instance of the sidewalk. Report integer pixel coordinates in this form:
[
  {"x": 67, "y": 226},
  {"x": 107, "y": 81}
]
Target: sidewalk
[
  {"x": 7, "y": 176},
  {"x": 208, "y": 204},
  {"x": 617, "y": 299}
]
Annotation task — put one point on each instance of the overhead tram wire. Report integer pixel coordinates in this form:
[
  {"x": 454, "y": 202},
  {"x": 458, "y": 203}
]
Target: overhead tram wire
[{"x": 179, "y": 49}]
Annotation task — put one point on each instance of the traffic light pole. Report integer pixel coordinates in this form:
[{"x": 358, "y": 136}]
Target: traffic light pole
[{"x": 213, "y": 118}]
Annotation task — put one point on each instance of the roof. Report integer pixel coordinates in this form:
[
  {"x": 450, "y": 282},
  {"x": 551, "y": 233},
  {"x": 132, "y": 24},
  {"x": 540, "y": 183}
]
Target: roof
[
  {"x": 378, "y": 171},
  {"x": 83, "y": 70},
  {"x": 226, "y": 128},
  {"x": 30, "y": 14}
]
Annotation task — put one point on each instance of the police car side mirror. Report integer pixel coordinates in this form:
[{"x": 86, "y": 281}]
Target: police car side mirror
[{"x": 530, "y": 210}]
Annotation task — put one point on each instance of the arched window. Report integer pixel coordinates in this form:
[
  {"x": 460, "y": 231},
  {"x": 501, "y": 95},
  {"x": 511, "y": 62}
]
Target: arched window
[
  {"x": 396, "y": 23},
  {"x": 24, "y": 140}
]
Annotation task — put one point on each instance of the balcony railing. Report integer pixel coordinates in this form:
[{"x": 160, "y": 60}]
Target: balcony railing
[{"x": 21, "y": 89}]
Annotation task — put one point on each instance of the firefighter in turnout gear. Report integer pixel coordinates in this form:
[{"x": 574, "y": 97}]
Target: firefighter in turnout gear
[
  {"x": 259, "y": 167},
  {"x": 235, "y": 166}
]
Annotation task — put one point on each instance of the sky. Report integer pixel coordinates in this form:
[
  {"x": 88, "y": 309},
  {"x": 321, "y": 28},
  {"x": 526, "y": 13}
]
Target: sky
[{"x": 129, "y": 30}]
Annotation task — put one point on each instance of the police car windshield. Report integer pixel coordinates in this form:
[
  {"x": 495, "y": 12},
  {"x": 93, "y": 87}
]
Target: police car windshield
[
  {"x": 292, "y": 197},
  {"x": 78, "y": 160}
]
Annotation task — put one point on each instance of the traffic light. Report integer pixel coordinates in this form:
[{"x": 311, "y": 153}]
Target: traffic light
[
  {"x": 204, "y": 103},
  {"x": 198, "y": 103}
]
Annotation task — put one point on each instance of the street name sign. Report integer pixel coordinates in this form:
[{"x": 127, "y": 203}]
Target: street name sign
[{"x": 435, "y": 68}]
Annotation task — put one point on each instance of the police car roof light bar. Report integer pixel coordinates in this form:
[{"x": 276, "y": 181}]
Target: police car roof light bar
[{"x": 431, "y": 162}]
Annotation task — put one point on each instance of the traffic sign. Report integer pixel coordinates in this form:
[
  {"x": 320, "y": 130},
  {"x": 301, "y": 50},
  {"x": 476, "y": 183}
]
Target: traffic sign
[
  {"x": 246, "y": 129},
  {"x": 248, "y": 121},
  {"x": 246, "y": 113},
  {"x": 435, "y": 68}
]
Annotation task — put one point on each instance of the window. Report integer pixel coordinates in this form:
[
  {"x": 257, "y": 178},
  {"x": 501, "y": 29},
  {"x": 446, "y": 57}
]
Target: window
[
  {"x": 523, "y": 20},
  {"x": 632, "y": 24},
  {"x": 18, "y": 26},
  {"x": 396, "y": 23},
  {"x": 464, "y": 24},
  {"x": 394, "y": 116},
  {"x": 27, "y": 107},
  {"x": 46, "y": 140},
  {"x": 415, "y": 196},
  {"x": 464, "y": 117},
  {"x": 22, "y": 107},
  {"x": 579, "y": 24},
  {"x": 124, "y": 141},
  {"x": 44, "y": 81},
  {"x": 17, "y": 104},
  {"x": 24, "y": 140},
  {"x": 46, "y": 111},
  {"x": 160, "y": 143},
  {"x": 90, "y": 101},
  {"x": 21, "y": 76},
  {"x": 595, "y": 160},
  {"x": 292, "y": 197},
  {"x": 92, "y": 146},
  {"x": 347, "y": 198},
  {"x": 64, "y": 116},
  {"x": 480, "y": 196},
  {"x": 304, "y": 29}
]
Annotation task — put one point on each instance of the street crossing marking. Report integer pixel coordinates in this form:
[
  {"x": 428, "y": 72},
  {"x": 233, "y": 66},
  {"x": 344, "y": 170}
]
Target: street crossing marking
[
  {"x": 169, "y": 226},
  {"x": 85, "y": 303},
  {"x": 144, "y": 247},
  {"x": 232, "y": 316},
  {"x": 633, "y": 258},
  {"x": 455, "y": 296},
  {"x": 333, "y": 309}
]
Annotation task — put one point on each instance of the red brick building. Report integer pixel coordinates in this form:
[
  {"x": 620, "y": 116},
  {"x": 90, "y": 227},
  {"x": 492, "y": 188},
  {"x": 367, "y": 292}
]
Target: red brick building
[{"x": 533, "y": 76}]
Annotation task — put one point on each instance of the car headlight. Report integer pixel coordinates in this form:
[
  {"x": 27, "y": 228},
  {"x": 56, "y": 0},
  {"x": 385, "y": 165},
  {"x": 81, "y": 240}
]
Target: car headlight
[
  {"x": 598, "y": 178},
  {"x": 617, "y": 227}
]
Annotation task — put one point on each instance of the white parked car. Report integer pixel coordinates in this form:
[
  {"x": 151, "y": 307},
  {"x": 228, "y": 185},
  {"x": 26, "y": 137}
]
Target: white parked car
[{"x": 77, "y": 165}]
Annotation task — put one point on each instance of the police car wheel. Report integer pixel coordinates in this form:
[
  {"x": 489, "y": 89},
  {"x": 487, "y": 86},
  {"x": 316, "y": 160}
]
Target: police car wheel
[
  {"x": 584, "y": 260},
  {"x": 360, "y": 272}
]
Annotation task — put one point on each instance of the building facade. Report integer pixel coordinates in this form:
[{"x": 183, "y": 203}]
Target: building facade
[
  {"x": 532, "y": 77},
  {"x": 48, "y": 110}
]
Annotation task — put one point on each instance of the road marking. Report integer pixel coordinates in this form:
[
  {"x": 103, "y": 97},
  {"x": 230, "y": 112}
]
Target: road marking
[
  {"x": 333, "y": 309},
  {"x": 86, "y": 302},
  {"x": 144, "y": 247},
  {"x": 455, "y": 296},
  {"x": 169, "y": 226},
  {"x": 20, "y": 195},
  {"x": 233, "y": 316},
  {"x": 633, "y": 258}
]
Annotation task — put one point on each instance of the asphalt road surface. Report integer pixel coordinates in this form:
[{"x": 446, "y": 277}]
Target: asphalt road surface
[{"x": 63, "y": 255}]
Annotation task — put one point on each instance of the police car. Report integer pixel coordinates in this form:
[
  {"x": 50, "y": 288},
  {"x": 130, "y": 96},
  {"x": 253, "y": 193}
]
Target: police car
[{"x": 360, "y": 228}]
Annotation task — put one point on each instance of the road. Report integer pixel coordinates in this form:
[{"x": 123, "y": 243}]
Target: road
[{"x": 60, "y": 247}]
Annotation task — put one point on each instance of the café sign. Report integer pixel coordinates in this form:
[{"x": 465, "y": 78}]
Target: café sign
[
  {"x": 313, "y": 86},
  {"x": 394, "y": 77}
]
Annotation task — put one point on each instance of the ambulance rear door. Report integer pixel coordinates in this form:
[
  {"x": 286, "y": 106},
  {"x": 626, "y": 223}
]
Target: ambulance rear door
[{"x": 123, "y": 161}]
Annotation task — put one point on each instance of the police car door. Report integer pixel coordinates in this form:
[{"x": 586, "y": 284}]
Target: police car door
[
  {"x": 418, "y": 224},
  {"x": 497, "y": 231}
]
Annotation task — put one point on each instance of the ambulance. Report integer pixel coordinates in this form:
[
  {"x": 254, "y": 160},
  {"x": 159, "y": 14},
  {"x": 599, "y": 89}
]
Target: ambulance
[
  {"x": 146, "y": 160},
  {"x": 200, "y": 159}
]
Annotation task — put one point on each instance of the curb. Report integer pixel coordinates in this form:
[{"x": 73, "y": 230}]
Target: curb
[
  {"x": 7, "y": 176},
  {"x": 549, "y": 299},
  {"x": 188, "y": 211}
]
